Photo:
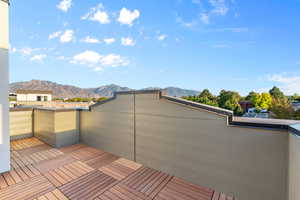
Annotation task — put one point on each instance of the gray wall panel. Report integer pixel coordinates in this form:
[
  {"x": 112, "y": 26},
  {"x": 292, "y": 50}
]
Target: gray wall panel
[
  {"x": 199, "y": 146},
  {"x": 110, "y": 126}
]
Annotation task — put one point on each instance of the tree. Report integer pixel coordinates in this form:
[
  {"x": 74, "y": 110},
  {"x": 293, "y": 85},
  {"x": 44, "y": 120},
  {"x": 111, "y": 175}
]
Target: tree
[
  {"x": 206, "y": 97},
  {"x": 282, "y": 109},
  {"x": 276, "y": 93},
  {"x": 250, "y": 96},
  {"x": 261, "y": 101},
  {"x": 230, "y": 100}
]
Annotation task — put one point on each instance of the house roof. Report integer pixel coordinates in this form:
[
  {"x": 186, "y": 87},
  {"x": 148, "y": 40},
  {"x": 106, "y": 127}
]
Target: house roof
[
  {"x": 6, "y": 1},
  {"x": 34, "y": 92}
]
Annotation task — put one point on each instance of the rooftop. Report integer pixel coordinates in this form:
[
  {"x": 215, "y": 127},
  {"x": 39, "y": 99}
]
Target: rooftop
[
  {"x": 33, "y": 92},
  {"x": 41, "y": 172}
]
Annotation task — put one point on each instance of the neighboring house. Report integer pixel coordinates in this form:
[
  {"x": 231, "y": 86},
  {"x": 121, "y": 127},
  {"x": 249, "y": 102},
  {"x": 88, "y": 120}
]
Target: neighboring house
[
  {"x": 296, "y": 105},
  {"x": 246, "y": 105},
  {"x": 33, "y": 95}
]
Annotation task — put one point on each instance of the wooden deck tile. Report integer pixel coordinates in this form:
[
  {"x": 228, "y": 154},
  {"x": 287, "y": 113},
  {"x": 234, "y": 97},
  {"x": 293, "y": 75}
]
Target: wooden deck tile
[
  {"x": 29, "y": 189},
  {"x": 101, "y": 160},
  {"x": 178, "y": 189},
  {"x": 34, "y": 149},
  {"x": 67, "y": 173},
  {"x": 89, "y": 186},
  {"x": 82, "y": 172},
  {"x": 17, "y": 175},
  {"x": 72, "y": 148},
  {"x": 86, "y": 153},
  {"x": 53, "y": 195},
  {"x": 120, "y": 168},
  {"x": 25, "y": 143},
  {"x": 147, "y": 181},
  {"x": 19, "y": 161},
  {"x": 51, "y": 164},
  {"x": 122, "y": 192}
]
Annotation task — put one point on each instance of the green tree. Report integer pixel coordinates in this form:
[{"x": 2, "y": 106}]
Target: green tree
[
  {"x": 276, "y": 93},
  {"x": 250, "y": 96},
  {"x": 230, "y": 100},
  {"x": 261, "y": 101},
  {"x": 282, "y": 109},
  {"x": 206, "y": 97}
]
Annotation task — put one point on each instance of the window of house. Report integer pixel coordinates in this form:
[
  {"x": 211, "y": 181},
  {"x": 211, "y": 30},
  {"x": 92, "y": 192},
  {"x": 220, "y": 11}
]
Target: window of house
[
  {"x": 45, "y": 98},
  {"x": 39, "y": 98}
]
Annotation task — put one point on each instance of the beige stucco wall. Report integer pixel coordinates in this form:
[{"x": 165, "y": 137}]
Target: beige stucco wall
[
  {"x": 110, "y": 126},
  {"x": 4, "y": 119},
  {"x": 294, "y": 167},
  {"x": 199, "y": 146},
  {"x": 20, "y": 124}
]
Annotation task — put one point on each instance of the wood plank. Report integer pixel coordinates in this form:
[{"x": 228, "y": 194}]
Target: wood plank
[
  {"x": 88, "y": 186},
  {"x": 27, "y": 189}
]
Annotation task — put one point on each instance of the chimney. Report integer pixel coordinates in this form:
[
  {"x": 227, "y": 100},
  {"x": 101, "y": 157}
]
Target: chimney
[{"x": 4, "y": 81}]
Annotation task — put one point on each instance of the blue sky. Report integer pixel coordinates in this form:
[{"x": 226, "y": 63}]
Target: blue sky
[{"x": 195, "y": 44}]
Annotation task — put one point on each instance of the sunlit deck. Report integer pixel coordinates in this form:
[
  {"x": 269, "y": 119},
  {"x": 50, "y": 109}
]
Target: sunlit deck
[{"x": 41, "y": 172}]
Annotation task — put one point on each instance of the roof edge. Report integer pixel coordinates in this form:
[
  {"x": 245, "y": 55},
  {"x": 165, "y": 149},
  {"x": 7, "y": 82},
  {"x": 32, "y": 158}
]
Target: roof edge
[
  {"x": 258, "y": 123},
  {"x": 209, "y": 108}
]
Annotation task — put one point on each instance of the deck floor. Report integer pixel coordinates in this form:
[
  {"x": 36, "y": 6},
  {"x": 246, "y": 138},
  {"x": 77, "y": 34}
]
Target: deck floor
[{"x": 80, "y": 172}]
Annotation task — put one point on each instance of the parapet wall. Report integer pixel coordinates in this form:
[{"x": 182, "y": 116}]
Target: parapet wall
[
  {"x": 248, "y": 158},
  {"x": 192, "y": 142}
]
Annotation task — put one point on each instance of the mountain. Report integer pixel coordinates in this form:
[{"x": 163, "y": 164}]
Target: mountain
[
  {"x": 174, "y": 91},
  {"x": 59, "y": 90},
  {"x": 69, "y": 91},
  {"x": 108, "y": 90}
]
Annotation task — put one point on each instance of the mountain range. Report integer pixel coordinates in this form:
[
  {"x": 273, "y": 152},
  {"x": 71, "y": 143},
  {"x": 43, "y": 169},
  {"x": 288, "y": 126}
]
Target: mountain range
[{"x": 69, "y": 91}]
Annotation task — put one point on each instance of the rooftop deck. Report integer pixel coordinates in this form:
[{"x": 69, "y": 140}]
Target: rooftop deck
[{"x": 41, "y": 172}]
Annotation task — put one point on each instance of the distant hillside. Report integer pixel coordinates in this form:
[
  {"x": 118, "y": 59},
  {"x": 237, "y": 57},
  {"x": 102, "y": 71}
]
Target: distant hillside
[
  {"x": 69, "y": 91},
  {"x": 64, "y": 91}
]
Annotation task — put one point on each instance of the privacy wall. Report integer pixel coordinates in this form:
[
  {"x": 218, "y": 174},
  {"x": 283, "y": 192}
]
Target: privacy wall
[
  {"x": 20, "y": 123},
  {"x": 57, "y": 127},
  {"x": 191, "y": 143},
  {"x": 294, "y": 166},
  {"x": 110, "y": 126}
]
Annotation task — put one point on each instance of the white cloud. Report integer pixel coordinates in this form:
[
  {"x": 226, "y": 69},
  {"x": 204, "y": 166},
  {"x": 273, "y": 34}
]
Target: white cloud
[
  {"x": 64, "y": 5},
  {"x": 39, "y": 57},
  {"x": 113, "y": 60},
  {"x": 54, "y": 35},
  {"x": 204, "y": 18},
  {"x": 109, "y": 40},
  {"x": 127, "y": 17},
  {"x": 87, "y": 57},
  {"x": 289, "y": 84},
  {"x": 219, "y": 7},
  {"x": 97, "y": 14},
  {"x": 26, "y": 51},
  {"x": 91, "y": 40},
  {"x": 162, "y": 37},
  {"x": 97, "y": 61},
  {"x": 67, "y": 36},
  {"x": 127, "y": 41}
]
